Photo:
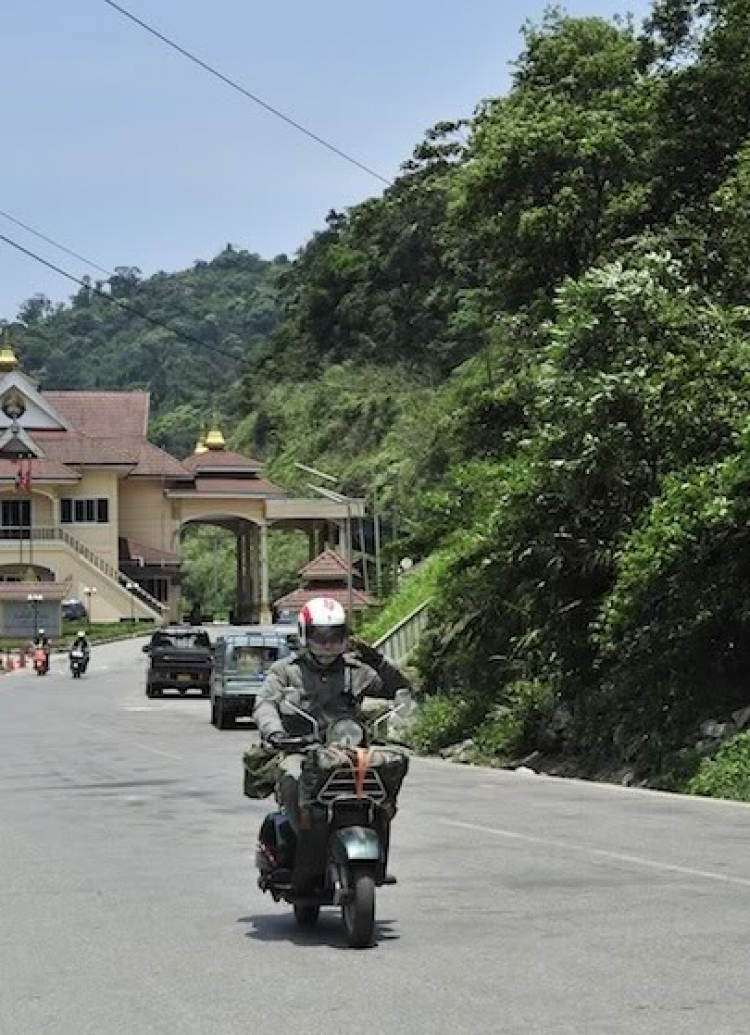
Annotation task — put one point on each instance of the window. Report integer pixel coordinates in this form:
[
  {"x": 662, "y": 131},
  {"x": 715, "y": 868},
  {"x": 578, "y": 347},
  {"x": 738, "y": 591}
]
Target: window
[
  {"x": 84, "y": 511},
  {"x": 15, "y": 517}
]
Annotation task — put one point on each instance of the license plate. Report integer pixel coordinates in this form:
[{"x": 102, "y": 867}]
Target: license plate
[{"x": 184, "y": 679}]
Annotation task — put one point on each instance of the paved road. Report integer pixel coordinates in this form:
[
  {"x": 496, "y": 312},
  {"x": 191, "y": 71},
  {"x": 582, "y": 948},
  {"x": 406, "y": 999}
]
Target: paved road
[{"x": 525, "y": 904}]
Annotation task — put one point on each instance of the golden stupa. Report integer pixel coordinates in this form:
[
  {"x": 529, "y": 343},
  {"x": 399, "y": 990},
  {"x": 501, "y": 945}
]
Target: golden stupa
[
  {"x": 8, "y": 358},
  {"x": 215, "y": 439}
]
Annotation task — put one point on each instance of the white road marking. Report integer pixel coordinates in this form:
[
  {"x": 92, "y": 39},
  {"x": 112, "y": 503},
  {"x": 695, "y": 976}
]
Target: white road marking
[
  {"x": 143, "y": 747},
  {"x": 601, "y": 853}
]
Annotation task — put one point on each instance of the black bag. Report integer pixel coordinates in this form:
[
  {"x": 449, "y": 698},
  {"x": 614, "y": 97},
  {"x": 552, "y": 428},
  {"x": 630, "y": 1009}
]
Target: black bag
[{"x": 392, "y": 766}]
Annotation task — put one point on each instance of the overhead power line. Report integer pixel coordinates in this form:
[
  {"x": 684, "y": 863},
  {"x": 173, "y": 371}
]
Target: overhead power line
[
  {"x": 55, "y": 244},
  {"x": 125, "y": 306},
  {"x": 247, "y": 93}
]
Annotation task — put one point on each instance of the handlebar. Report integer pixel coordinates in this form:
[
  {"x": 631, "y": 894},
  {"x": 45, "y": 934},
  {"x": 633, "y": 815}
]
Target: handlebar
[{"x": 293, "y": 743}]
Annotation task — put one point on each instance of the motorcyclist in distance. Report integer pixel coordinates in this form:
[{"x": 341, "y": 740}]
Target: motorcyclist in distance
[
  {"x": 41, "y": 639},
  {"x": 41, "y": 642},
  {"x": 81, "y": 643}
]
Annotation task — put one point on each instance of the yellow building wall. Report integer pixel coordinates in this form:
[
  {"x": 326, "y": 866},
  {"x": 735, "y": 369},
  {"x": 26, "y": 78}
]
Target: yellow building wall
[
  {"x": 146, "y": 514},
  {"x": 102, "y": 539},
  {"x": 42, "y": 511},
  {"x": 109, "y": 603}
]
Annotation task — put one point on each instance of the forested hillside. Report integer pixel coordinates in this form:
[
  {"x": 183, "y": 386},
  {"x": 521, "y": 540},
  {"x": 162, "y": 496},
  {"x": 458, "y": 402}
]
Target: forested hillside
[
  {"x": 535, "y": 346},
  {"x": 537, "y": 341},
  {"x": 229, "y": 304}
]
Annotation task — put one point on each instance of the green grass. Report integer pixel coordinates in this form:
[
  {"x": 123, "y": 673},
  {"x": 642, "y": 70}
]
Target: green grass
[
  {"x": 414, "y": 591},
  {"x": 98, "y": 633}
]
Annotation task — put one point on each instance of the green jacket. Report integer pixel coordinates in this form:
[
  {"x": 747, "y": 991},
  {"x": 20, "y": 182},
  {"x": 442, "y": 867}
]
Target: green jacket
[{"x": 325, "y": 692}]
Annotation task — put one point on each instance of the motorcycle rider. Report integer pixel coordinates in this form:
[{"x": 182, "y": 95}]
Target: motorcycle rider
[
  {"x": 322, "y": 678},
  {"x": 41, "y": 642},
  {"x": 81, "y": 643}
]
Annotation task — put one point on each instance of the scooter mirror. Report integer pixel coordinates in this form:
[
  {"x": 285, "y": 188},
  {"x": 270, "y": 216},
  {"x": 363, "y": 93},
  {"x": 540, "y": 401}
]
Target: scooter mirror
[
  {"x": 386, "y": 716},
  {"x": 305, "y": 715}
]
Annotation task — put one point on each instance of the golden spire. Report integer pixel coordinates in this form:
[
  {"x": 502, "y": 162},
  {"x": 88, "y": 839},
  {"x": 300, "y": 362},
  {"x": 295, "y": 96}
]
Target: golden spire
[
  {"x": 8, "y": 358},
  {"x": 200, "y": 445},
  {"x": 215, "y": 439}
]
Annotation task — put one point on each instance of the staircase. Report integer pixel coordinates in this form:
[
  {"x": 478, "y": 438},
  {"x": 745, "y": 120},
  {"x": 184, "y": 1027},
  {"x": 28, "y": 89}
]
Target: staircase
[
  {"x": 398, "y": 643},
  {"x": 108, "y": 572}
]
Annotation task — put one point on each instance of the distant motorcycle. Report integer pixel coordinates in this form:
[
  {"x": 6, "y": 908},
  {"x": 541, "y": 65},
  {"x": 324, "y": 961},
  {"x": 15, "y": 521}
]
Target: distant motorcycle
[
  {"x": 79, "y": 660},
  {"x": 41, "y": 661},
  {"x": 339, "y": 854}
]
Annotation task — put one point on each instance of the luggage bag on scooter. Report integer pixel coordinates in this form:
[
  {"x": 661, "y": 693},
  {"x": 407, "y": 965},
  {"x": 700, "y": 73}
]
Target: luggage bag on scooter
[
  {"x": 391, "y": 765},
  {"x": 260, "y": 772}
]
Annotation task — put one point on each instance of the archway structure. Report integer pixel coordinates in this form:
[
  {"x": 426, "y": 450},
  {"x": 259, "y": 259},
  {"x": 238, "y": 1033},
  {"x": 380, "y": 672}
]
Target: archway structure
[{"x": 231, "y": 491}]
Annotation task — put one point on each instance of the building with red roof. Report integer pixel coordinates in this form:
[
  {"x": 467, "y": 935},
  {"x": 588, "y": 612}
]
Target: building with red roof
[
  {"x": 89, "y": 504},
  {"x": 326, "y": 575}
]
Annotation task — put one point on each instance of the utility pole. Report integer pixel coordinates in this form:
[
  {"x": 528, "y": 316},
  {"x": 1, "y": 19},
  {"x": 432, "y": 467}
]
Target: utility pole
[
  {"x": 364, "y": 554},
  {"x": 395, "y": 534},
  {"x": 376, "y": 523},
  {"x": 338, "y": 497}
]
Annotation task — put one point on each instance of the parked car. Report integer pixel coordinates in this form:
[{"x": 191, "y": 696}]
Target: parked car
[
  {"x": 73, "y": 610},
  {"x": 241, "y": 662},
  {"x": 180, "y": 658}
]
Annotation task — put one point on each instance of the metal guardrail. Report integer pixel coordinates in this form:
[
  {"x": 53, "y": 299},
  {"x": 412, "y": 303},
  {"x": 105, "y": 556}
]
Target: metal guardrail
[
  {"x": 113, "y": 574},
  {"x": 398, "y": 643}
]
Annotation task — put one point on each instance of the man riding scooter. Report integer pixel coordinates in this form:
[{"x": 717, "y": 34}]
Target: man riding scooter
[
  {"x": 336, "y": 784},
  {"x": 323, "y": 679}
]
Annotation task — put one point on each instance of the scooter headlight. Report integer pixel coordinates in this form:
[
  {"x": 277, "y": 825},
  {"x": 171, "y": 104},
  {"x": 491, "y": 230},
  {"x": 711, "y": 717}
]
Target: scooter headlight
[{"x": 346, "y": 732}]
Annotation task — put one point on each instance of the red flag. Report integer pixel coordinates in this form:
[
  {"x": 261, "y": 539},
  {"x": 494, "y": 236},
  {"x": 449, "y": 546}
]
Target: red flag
[{"x": 27, "y": 478}]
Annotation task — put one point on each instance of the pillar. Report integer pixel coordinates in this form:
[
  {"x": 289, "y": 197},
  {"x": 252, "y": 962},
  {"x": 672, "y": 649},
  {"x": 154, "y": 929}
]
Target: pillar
[
  {"x": 248, "y": 594},
  {"x": 265, "y": 604},
  {"x": 240, "y": 575}
]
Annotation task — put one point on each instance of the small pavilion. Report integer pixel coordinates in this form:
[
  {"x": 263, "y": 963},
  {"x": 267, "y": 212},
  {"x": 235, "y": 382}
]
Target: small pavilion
[{"x": 327, "y": 575}]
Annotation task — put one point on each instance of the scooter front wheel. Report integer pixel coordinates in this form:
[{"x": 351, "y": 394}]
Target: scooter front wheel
[{"x": 358, "y": 912}]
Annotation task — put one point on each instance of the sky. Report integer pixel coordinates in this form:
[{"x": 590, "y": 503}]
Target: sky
[{"x": 123, "y": 151}]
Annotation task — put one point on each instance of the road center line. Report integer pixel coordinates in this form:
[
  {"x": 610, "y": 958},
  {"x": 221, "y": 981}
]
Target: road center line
[
  {"x": 133, "y": 743},
  {"x": 601, "y": 853}
]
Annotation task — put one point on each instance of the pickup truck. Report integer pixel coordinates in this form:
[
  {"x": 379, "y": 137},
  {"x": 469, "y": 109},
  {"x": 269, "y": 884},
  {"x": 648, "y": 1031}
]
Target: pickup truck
[
  {"x": 241, "y": 662},
  {"x": 180, "y": 658}
]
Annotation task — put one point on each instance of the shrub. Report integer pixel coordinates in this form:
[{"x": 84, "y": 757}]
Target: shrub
[
  {"x": 727, "y": 775},
  {"x": 444, "y": 719},
  {"x": 515, "y": 725}
]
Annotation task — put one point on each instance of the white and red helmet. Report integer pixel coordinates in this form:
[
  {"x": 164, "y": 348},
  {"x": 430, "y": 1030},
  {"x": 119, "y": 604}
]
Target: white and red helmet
[{"x": 323, "y": 628}]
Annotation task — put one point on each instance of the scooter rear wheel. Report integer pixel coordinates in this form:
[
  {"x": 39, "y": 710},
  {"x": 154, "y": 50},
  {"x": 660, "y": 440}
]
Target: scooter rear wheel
[
  {"x": 358, "y": 914},
  {"x": 306, "y": 916}
]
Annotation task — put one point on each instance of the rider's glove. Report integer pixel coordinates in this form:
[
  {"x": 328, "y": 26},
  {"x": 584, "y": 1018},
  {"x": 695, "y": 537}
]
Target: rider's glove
[{"x": 276, "y": 739}]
